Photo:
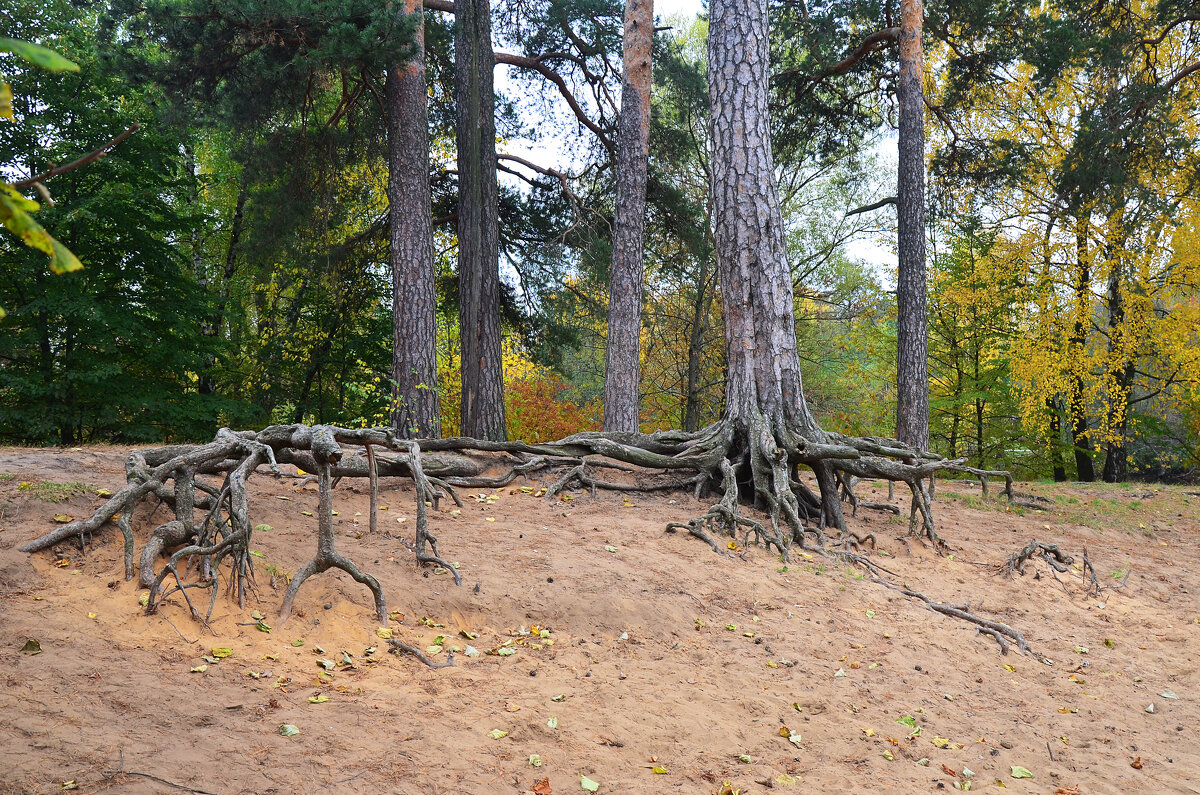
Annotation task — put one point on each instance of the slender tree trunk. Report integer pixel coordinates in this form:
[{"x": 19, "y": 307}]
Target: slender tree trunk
[
  {"x": 912, "y": 366},
  {"x": 622, "y": 353},
  {"x": 764, "y": 393},
  {"x": 1056, "y": 456},
  {"x": 415, "y": 407},
  {"x": 1084, "y": 470},
  {"x": 691, "y": 407},
  {"x": 478, "y": 230},
  {"x": 1115, "y": 458}
]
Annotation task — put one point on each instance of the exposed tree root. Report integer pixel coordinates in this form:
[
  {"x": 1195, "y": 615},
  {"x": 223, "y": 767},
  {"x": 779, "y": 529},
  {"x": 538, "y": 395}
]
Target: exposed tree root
[
  {"x": 747, "y": 458},
  {"x": 1094, "y": 588},
  {"x": 222, "y": 539},
  {"x": 398, "y": 646},
  {"x": 1050, "y": 553},
  {"x": 1000, "y": 632}
]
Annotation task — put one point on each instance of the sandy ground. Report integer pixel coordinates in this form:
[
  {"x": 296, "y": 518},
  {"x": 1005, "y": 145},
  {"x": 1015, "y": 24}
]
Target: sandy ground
[{"x": 659, "y": 654}]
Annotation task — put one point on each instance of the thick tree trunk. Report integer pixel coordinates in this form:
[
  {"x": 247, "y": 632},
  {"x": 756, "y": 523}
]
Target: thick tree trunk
[
  {"x": 912, "y": 367},
  {"x": 1084, "y": 470},
  {"x": 764, "y": 394},
  {"x": 622, "y": 352},
  {"x": 415, "y": 407},
  {"x": 478, "y": 230}
]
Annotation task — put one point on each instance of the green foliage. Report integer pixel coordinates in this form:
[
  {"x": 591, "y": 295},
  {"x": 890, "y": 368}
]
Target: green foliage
[
  {"x": 15, "y": 208},
  {"x": 49, "y": 491}
]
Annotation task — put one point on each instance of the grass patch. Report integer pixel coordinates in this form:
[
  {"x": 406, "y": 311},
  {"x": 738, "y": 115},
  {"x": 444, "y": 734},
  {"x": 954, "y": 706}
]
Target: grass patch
[
  {"x": 49, "y": 491},
  {"x": 1118, "y": 573}
]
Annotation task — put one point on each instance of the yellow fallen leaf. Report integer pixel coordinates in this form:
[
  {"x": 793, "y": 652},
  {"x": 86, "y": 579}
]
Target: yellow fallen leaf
[
  {"x": 91, "y": 615},
  {"x": 1010, "y": 668},
  {"x": 659, "y": 769},
  {"x": 869, "y": 732},
  {"x": 63, "y": 518},
  {"x": 384, "y": 632},
  {"x": 940, "y": 742}
]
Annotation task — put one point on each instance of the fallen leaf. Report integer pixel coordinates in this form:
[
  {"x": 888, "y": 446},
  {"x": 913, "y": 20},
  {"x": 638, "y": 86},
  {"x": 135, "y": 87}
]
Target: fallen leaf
[
  {"x": 1136, "y": 764},
  {"x": 869, "y": 732},
  {"x": 103, "y": 493},
  {"x": 288, "y": 730},
  {"x": 297, "y": 642},
  {"x": 535, "y": 760},
  {"x": 63, "y": 518},
  {"x": 1021, "y": 772},
  {"x": 558, "y": 698},
  {"x": 908, "y": 720},
  {"x": 784, "y": 780},
  {"x": 199, "y": 669},
  {"x": 610, "y": 548},
  {"x": 317, "y": 699},
  {"x": 92, "y": 615},
  {"x": 940, "y": 742},
  {"x": 221, "y": 652},
  {"x": 948, "y": 770},
  {"x": 587, "y": 784},
  {"x": 496, "y": 734},
  {"x": 888, "y": 756},
  {"x": 506, "y": 652},
  {"x": 384, "y": 632},
  {"x": 553, "y": 722},
  {"x": 1010, "y": 668},
  {"x": 659, "y": 769},
  {"x": 32, "y": 647},
  {"x": 70, "y": 784},
  {"x": 541, "y": 787}
]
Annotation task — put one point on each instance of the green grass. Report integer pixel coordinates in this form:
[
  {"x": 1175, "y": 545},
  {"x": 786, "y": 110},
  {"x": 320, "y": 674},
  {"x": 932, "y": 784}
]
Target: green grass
[{"x": 49, "y": 491}]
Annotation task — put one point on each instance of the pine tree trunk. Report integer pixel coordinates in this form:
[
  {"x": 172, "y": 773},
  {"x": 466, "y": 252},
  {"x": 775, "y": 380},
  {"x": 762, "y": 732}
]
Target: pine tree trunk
[
  {"x": 478, "y": 230},
  {"x": 912, "y": 367},
  {"x": 622, "y": 352},
  {"x": 415, "y": 407},
  {"x": 764, "y": 394}
]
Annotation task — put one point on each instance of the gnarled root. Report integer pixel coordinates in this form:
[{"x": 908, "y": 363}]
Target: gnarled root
[{"x": 1050, "y": 553}]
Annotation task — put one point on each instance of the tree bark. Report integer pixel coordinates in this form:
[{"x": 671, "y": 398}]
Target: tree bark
[
  {"x": 478, "y": 230},
  {"x": 1115, "y": 457},
  {"x": 912, "y": 366},
  {"x": 764, "y": 393},
  {"x": 623, "y": 350},
  {"x": 1084, "y": 470},
  {"x": 415, "y": 406},
  {"x": 1056, "y": 456}
]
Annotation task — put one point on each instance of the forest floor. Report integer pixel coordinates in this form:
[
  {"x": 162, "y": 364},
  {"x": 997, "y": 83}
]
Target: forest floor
[{"x": 658, "y": 655}]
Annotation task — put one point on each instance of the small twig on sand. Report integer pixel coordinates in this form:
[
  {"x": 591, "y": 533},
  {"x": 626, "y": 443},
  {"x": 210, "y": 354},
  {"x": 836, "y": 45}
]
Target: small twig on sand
[
  {"x": 121, "y": 771},
  {"x": 420, "y": 655}
]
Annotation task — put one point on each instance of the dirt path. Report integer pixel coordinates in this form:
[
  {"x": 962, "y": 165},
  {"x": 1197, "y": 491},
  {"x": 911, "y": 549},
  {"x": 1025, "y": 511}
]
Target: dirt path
[{"x": 656, "y": 655}]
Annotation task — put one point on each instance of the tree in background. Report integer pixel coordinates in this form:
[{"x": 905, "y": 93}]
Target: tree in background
[
  {"x": 623, "y": 348},
  {"x": 912, "y": 370},
  {"x": 478, "y": 230},
  {"x": 416, "y": 411}
]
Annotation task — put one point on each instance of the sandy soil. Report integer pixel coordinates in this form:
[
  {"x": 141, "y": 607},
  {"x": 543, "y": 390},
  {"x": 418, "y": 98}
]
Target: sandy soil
[{"x": 660, "y": 653}]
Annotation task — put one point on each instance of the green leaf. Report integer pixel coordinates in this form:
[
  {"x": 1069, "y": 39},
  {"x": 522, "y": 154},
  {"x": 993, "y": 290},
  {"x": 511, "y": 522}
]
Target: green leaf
[
  {"x": 587, "y": 784},
  {"x": 1020, "y": 772},
  {"x": 38, "y": 55},
  {"x": 62, "y": 260},
  {"x": 288, "y": 730},
  {"x": 32, "y": 647},
  {"x": 6, "y": 97},
  {"x": 908, "y": 720},
  {"x": 317, "y": 699}
]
